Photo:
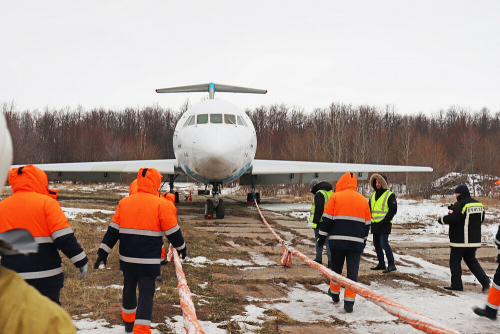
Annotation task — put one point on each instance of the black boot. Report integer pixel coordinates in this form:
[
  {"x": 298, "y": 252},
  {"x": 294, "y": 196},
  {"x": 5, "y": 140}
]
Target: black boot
[
  {"x": 348, "y": 308},
  {"x": 378, "y": 267},
  {"x": 335, "y": 296},
  {"x": 389, "y": 269},
  {"x": 484, "y": 313},
  {"x": 129, "y": 327}
]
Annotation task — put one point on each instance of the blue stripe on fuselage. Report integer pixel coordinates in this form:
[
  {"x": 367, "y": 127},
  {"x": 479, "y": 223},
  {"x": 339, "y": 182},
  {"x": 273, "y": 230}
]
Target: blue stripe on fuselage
[{"x": 205, "y": 180}]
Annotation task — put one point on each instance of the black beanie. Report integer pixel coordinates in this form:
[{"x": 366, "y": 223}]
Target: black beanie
[{"x": 462, "y": 189}]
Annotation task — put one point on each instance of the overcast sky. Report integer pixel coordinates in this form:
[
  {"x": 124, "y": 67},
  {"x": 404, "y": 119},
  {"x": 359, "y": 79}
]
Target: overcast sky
[{"x": 416, "y": 55}]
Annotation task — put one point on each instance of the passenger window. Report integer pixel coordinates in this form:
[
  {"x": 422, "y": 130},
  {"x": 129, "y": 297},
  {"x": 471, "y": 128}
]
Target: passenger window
[
  {"x": 190, "y": 121},
  {"x": 216, "y": 118},
  {"x": 202, "y": 119},
  {"x": 229, "y": 119},
  {"x": 241, "y": 121}
]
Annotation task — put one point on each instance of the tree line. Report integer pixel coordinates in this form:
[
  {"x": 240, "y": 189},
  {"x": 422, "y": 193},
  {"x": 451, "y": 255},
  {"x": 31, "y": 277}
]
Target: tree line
[{"x": 457, "y": 139}]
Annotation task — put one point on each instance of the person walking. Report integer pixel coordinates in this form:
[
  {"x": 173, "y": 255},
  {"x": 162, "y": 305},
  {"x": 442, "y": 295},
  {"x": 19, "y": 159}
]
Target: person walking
[
  {"x": 139, "y": 223},
  {"x": 346, "y": 222},
  {"x": 465, "y": 218},
  {"x": 322, "y": 192},
  {"x": 383, "y": 208},
  {"x": 490, "y": 311},
  {"x": 23, "y": 309},
  {"x": 47, "y": 223}
]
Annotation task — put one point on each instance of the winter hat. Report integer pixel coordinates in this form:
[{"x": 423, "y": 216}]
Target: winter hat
[
  {"x": 462, "y": 189},
  {"x": 313, "y": 183}
]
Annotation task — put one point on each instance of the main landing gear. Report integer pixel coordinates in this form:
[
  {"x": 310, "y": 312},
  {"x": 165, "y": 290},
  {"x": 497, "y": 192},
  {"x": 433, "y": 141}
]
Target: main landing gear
[
  {"x": 216, "y": 205},
  {"x": 252, "y": 195}
]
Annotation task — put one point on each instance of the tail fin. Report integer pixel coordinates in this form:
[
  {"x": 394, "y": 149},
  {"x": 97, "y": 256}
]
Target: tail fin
[{"x": 211, "y": 88}]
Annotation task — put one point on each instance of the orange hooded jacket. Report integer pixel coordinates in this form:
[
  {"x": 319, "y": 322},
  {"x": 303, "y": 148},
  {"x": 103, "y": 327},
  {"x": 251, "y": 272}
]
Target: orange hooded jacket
[
  {"x": 139, "y": 223},
  {"x": 346, "y": 217},
  {"x": 31, "y": 207}
]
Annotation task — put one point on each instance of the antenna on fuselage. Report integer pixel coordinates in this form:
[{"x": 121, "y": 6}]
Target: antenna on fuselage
[{"x": 211, "y": 88}]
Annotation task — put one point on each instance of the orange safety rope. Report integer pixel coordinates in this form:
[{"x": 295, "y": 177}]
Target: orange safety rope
[
  {"x": 406, "y": 314},
  {"x": 191, "y": 324}
]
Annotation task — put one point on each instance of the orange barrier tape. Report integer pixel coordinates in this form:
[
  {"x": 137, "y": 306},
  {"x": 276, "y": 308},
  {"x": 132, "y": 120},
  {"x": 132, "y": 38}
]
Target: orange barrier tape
[
  {"x": 191, "y": 323},
  {"x": 417, "y": 320}
]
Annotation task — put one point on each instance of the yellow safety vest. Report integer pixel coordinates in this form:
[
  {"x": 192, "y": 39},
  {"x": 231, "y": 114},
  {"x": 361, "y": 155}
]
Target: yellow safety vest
[
  {"x": 327, "y": 195},
  {"x": 380, "y": 207}
]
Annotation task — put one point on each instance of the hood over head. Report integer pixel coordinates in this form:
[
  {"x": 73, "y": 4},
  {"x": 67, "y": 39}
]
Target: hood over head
[
  {"x": 169, "y": 197},
  {"x": 380, "y": 178},
  {"x": 133, "y": 188},
  {"x": 321, "y": 185},
  {"x": 148, "y": 181},
  {"x": 31, "y": 179},
  {"x": 348, "y": 181}
]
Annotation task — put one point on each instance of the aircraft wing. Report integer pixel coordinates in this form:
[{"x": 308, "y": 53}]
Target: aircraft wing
[
  {"x": 284, "y": 171},
  {"x": 105, "y": 171}
]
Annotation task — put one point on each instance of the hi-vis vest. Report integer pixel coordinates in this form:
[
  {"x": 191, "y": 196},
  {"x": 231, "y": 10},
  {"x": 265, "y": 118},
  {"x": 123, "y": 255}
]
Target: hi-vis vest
[
  {"x": 380, "y": 207},
  {"x": 327, "y": 195}
]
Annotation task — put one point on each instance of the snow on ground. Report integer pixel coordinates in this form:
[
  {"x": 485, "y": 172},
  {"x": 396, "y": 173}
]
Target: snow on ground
[{"x": 301, "y": 304}]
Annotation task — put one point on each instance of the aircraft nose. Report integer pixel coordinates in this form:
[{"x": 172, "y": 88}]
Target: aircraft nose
[{"x": 216, "y": 153}]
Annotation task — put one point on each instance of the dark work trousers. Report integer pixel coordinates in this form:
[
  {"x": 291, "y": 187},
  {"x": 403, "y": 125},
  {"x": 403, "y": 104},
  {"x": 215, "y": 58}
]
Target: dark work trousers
[
  {"x": 53, "y": 295},
  {"x": 381, "y": 244},
  {"x": 352, "y": 258},
  {"x": 319, "y": 250},
  {"x": 144, "y": 305},
  {"x": 469, "y": 256}
]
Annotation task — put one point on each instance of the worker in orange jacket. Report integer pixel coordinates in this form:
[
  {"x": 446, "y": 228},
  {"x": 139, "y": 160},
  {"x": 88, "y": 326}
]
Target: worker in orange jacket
[
  {"x": 139, "y": 223},
  {"x": 32, "y": 207},
  {"x": 346, "y": 219},
  {"x": 490, "y": 311}
]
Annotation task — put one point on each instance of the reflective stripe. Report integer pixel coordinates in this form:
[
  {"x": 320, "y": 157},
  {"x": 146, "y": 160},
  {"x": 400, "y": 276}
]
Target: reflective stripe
[
  {"x": 356, "y": 219},
  {"x": 43, "y": 240},
  {"x": 496, "y": 241},
  {"x": 61, "y": 232},
  {"x": 41, "y": 274},
  {"x": 129, "y": 311},
  {"x": 495, "y": 307},
  {"x": 139, "y": 260},
  {"x": 78, "y": 257},
  {"x": 334, "y": 283},
  {"x": 105, "y": 248},
  {"x": 141, "y": 232},
  {"x": 114, "y": 225},
  {"x": 181, "y": 247},
  {"x": 172, "y": 230},
  {"x": 496, "y": 286},
  {"x": 142, "y": 322},
  {"x": 453, "y": 244},
  {"x": 349, "y": 299},
  {"x": 346, "y": 238},
  {"x": 323, "y": 233},
  {"x": 368, "y": 222}
]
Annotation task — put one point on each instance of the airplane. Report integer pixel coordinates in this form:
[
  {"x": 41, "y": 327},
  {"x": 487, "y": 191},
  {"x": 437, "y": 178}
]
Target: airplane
[{"x": 215, "y": 143}]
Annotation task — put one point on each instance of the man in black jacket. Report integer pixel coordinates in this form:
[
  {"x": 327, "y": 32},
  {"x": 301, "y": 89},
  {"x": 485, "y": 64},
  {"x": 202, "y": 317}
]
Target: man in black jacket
[
  {"x": 322, "y": 191},
  {"x": 465, "y": 218},
  {"x": 383, "y": 208}
]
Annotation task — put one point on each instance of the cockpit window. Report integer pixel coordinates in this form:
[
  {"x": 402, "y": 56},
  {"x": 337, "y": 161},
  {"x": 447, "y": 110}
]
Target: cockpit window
[
  {"x": 202, "y": 119},
  {"x": 229, "y": 119},
  {"x": 216, "y": 118},
  {"x": 190, "y": 121},
  {"x": 241, "y": 121}
]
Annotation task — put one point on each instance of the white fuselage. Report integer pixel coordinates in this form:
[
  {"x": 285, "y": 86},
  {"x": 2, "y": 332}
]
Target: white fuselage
[{"x": 215, "y": 141}]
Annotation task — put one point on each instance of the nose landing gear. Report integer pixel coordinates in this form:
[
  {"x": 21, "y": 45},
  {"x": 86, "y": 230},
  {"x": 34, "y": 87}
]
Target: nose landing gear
[{"x": 216, "y": 204}]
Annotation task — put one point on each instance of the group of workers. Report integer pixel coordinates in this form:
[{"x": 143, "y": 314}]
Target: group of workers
[
  {"x": 139, "y": 223},
  {"x": 344, "y": 217}
]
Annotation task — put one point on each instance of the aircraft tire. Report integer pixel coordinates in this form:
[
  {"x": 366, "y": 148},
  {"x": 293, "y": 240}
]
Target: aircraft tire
[
  {"x": 221, "y": 209},
  {"x": 257, "y": 197},
  {"x": 249, "y": 198},
  {"x": 176, "y": 197},
  {"x": 209, "y": 207}
]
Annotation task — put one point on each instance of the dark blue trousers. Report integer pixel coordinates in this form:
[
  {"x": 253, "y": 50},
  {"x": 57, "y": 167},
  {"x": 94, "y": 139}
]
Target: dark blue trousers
[
  {"x": 469, "y": 256},
  {"x": 144, "y": 304},
  {"x": 381, "y": 244},
  {"x": 351, "y": 258}
]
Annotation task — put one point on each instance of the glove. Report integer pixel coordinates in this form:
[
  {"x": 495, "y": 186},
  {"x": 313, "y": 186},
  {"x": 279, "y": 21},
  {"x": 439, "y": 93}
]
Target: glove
[
  {"x": 99, "y": 260},
  {"x": 320, "y": 242},
  {"x": 83, "y": 271},
  {"x": 182, "y": 253}
]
